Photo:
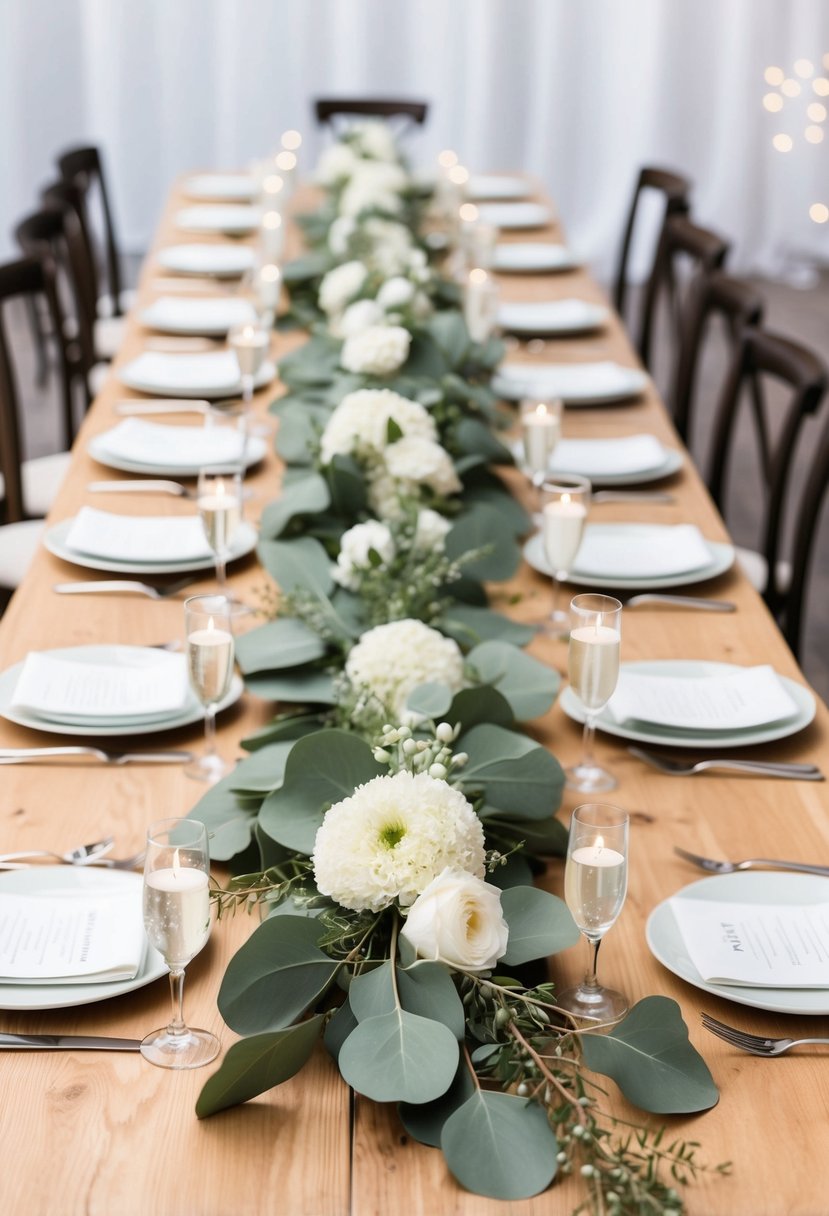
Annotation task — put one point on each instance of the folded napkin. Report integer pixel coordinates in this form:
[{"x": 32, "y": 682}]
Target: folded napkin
[
  {"x": 138, "y": 538},
  {"x": 140, "y": 682},
  {"x": 551, "y": 314},
  {"x": 207, "y": 259},
  {"x": 213, "y": 315},
  {"x": 154, "y": 443},
  {"x": 232, "y": 217},
  {"x": 604, "y": 457},
  {"x": 215, "y": 372},
  {"x": 568, "y": 380},
  {"x": 73, "y": 937},
  {"x": 749, "y": 696},
  {"x": 515, "y": 215},
  {"x": 641, "y": 551},
  {"x": 754, "y": 944}
]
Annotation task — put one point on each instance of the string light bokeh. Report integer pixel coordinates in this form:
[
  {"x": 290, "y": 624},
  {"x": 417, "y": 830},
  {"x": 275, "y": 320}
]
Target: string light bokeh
[{"x": 796, "y": 96}]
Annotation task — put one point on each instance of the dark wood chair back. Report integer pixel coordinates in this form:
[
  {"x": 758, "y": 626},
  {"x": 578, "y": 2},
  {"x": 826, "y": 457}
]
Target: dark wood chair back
[
  {"x": 83, "y": 168},
  {"x": 739, "y": 304},
  {"x": 805, "y": 534},
  {"x": 329, "y": 109},
  {"x": 676, "y": 191},
  {"x": 25, "y": 278},
  {"x": 761, "y": 355}
]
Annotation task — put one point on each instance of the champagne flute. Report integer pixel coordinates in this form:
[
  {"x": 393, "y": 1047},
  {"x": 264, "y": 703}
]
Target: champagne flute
[
  {"x": 250, "y": 343},
  {"x": 210, "y": 648},
  {"x": 540, "y": 433},
  {"x": 593, "y": 661},
  {"x": 565, "y": 501},
  {"x": 177, "y": 921},
  {"x": 480, "y": 305},
  {"x": 595, "y": 885},
  {"x": 219, "y": 499}
]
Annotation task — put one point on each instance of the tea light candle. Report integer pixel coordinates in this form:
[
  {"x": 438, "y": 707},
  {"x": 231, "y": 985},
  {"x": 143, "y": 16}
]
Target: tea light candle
[
  {"x": 562, "y": 527},
  {"x": 597, "y": 855},
  {"x": 286, "y": 163},
  {"x": 249, "y": 343},
  {"x": 541, "y": 430},
  {"x": 272, "y": 235},
  {"x": 480, "y": 306},
  {"x": 272, "y": 185},
  {"x": 269, "y": 286},
  {"x": 177, "y": 909}
]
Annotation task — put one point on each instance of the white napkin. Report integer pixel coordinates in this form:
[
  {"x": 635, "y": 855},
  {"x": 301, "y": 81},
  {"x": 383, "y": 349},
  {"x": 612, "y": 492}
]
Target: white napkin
[
  {"x": 215, "y": 372},
  {"x": 139, "y": 538},
  {"x": 551, "y": 314},
  {"x": 72, "y": 937},
  {"x": 141, "y": 683},
  {"x": 207, "y": 259},
  {"x": 154, "y": 443},
  {"x": 515, "y": 215},
  {"x": 230, "y": 217},
  {"x": 641, "y": 551},
  {"x": 750, "y": 696},
  {"x": 603, "y": 457},
  {"x": 218, "y": 313},
  {"x": 567, "y": 379}
]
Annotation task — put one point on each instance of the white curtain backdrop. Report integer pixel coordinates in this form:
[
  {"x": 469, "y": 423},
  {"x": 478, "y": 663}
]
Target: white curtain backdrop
[{"x": 580, "y": 94}]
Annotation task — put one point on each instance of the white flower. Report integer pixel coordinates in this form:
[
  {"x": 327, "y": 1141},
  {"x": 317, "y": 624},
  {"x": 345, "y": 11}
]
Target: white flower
[
  {"x": 360, "y": 315},
  {"x": 395, "y": 293},
  {"x": 458, "y": 920},
  {"x": 339, "y": 287},
  {"x": 391, "y": 660},
  {"x": 431, "y": 529},
  {"x": 375, "y": 139},
  {"x": 339, "y": 235},
  {"x": 362, "y": 420},
  {"x": 422, "y": 462},
  {"x": 377, "y": 351},
  {"x": 373, "y": 185},
  {"x": 391, "y": 838},
  {"x": 336, "y": 164},
  {"x": 391, "y": 245},
  {"x": 355, "y": 547}
]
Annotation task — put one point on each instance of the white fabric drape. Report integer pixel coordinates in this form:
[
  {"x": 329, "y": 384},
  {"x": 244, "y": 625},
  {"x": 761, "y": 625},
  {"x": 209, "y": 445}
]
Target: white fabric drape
[{"x": 580, "y": 94}]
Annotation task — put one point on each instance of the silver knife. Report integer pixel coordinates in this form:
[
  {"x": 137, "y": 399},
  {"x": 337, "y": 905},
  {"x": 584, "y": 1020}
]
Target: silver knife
[
  {"x": 65, "y": 1042},
  {"x": 171, "y": 405},
  {"x": 681, "y": 601},
  {"x": 632, "y": 496},
  {"x": 30, "y": 755},
  {"x": 141, "y": 487}
]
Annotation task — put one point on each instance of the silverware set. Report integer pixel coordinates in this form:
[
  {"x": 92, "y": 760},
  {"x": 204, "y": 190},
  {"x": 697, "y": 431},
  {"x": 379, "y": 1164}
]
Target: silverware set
[{"x": 94, "y": 855}]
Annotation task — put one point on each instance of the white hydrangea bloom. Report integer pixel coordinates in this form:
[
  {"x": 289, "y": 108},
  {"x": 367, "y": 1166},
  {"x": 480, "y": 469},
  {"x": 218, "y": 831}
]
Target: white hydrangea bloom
[
  {"x": 360, "y": 315},
  {"x": 336, "y": 164},
  {"x": 392, "y": 660},
  {"x": 355, "y": 546},
  {"x": 339, "y": 287},
  {"x": 339, "y": 235},
  {"x": 375, "y": 139},
  {"x": 373, "y": 185},
  {"x": 391, "y": 838},
  {"x": 361, "y": 420},
  {"x": 376, "y": 351},
  {"x": 422, "y": 462},
  {"x": 391, "y": 245},
  {"x": 431, "y": 529},
  {"x": 396, "y": 292}
]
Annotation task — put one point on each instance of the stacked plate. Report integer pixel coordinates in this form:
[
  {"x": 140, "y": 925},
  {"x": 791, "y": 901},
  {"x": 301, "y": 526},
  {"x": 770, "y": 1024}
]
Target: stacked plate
[
  {"x": 639, "y": 557},
  {"x": 532, "y": 258},
  {"x": 212, "y": 317},
  {"x": 514, "y": 216},
  {"x": 102, "y": 691},
  {"x": 160, "y": 450},
  {"x": 231, "y": 219},
  {"x": 220, "y": 261},
  {"x": 495, "y": 186},
  {"x": 213, "y": 375},
  {"x": 627, "y": 461},
  {"x": 602, "y": 383},
  {"x": 225, "y": 187},
  {"x": 570, "y": 316}
]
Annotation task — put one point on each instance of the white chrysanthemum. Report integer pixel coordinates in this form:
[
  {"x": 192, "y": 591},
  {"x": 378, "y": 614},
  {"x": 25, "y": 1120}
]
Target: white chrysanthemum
[
  {"x": 391, "y": 660},
  {"x": 431, "y": 529},
  {"x": 396, "y": 292},
  {"x": 336, "y": 164},
  {"x": 375, "y": 139},
  {"x": 360, "y": 315},
  {"x": 422, "y": 462},
  {"x": 391, "y": 838},
  {"x": 362, "y": 420},
  {"x": 376, "y": 351},
  {"x": 355, "y": 546},
  {"x": 339, "y": 235},
  {"x": 339, "y": 287}
]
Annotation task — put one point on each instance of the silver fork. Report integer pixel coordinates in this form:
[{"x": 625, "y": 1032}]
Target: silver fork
[
  {"x": 150, "y": 486},
  {"x": 120, "y": 863},
  {"x": 31, "y": 755},
  {"x": 713, "y": 866},
  {"x": 632, "y": 496},
  {"x": 685, "y": 768},
  {"x": 754, "y": 1044},
  {"x": 127, "y": 586},
  {"x": 80, "y": 855},
  {"x": 697, "y": 602}
]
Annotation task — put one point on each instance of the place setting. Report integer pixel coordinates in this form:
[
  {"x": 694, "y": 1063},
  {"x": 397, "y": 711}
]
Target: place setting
[
  {"x": 219, "y": 261},
  {"x": 552, "y": 317},
  {"x": 230, "y": 219},
  {"x": 576, "y": 384},
  {"x": 168, "y": 450},
  {"x": 528, "y": 257}
]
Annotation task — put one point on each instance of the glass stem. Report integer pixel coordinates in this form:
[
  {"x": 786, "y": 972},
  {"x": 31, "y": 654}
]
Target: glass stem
[
  {"x": 210, "y": 730},
  {"x": 556, "y": 596},
  {"x": 177, "y": 1025},
  {"x": 221, "y": 572},
  {"x": 590, "y": 978},
  {"x": 588, "y": 736},
  {"x": 247, "y": 389}
]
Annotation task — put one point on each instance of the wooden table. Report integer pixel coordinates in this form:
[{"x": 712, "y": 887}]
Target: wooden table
[{"x": 103, "y": 1134}]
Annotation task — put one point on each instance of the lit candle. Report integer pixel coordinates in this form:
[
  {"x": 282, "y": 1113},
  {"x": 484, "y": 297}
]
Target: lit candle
[
  {"x": 597, "y": 854},
  {"x": 177, "y": 911},
  {"x": 221, "y": 513},
  {"x": 271, "y": 186},
  {"x": 593, "y": 663},
  {"x": 272, "y": 235},
  {"x": 210, "y": 662},
  {"x": 563, "y": 522},
  {"x": 286, "y": 163},
  {"x": 480, "y": 305},
  {"x": 249, "y": 343},
  {"x": 541, "y": 431},
  {"x": 268, "y": 286}
]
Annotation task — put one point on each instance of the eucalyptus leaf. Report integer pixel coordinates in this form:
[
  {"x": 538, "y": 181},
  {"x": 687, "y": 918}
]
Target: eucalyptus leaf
[
  {"x": 530, "y": 687},
  {"x": 297, "y": 565},
  {"x": 469, "y": 625},
  {"x": 400, "y": 1057},
  {"x": 424, "y": 1123},
  {"x": 473, "y": 438},
  {"x": 431, "y": 700},
  {"x": 307, "y": 497},
  {"x": 515, "y": 872},
  {"x": 500, "y": 1146},
  {"x": 263, "y": 771},
  {"x": 427, "y": 988},
  {"x": 449, "y": 331},
  {"x": 229, "y": 824},
  {"x": 278, "y": 973},
  {"x": 288, "y": 726},
  {"x": 472, "y": 706},
  {"x": 540, "y": 924},
  {"x": 649, "y": 1056},
  {"x": 309, "y": 266},
  {"x": 372, "y": 993},
  {"x": 300, "y": 686},
  {"x": 516, "y": 776},
  {"x": 547, "y": 837},
  {"x": 258, "y": 1064},
  {"x": 338, "y": 1029},
  {"x": 347, "y": 485},
  {"x": 480, "y": 526},
  {"x": 285, "y": 642}
]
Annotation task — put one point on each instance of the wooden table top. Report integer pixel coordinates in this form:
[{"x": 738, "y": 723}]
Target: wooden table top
[{"x": 103, "y": 1133}]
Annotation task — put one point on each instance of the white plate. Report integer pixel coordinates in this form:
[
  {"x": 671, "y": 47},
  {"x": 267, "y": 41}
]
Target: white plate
[
  {"x": 494, "y": 186},
  {"x": 232, "y": 219},
  {"x": 244, "y": 542},
  {"x": 552, "y": 317},
  {"x": 254, "y": 452},
  {"x": 213, "y": 374},
  {"x": 192, "y": 712},
  {"x": 184, "y": 315},
  {"x": 602, "y": 383},
  {"x": 228, "y": 187},
  {"x": 700, "y": 739},
  {"x": 672, "y": 464},
  {"x": 221, "y": 261},
  {"x": 515, "y": 215},
  {"x": 666, "y": 943},
  {"x": 46, "y": 880},
  {"x": 533, "y": 258},
  {"x": 722, "y": 559}
]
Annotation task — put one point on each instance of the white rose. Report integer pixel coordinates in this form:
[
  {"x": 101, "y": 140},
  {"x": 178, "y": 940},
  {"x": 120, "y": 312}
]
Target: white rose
[
  {"x": 422, "y": 462},
  {"x": 336, "y": 164},
  {"x": 395, "y": 293},
  {"x": 339, "y": 287},
  {"x": 377, "y": 351},
  {"x": 458, "y": 920},
  {"x": 431, "y": 529},
  {"x": 355, "y": 546},
  {"x": 362, "y": 420},
  {"x": 360, "y": 315}
]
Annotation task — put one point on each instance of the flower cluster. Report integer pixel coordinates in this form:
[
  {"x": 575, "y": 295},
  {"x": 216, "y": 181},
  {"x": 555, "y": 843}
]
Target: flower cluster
[
  {"x": 378, "y": 350},
  {"x": 360, "y": 423},
  {"x": 391, "y": 660}
]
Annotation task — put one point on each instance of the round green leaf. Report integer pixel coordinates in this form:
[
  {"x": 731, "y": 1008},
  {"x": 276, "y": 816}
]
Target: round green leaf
[
  {"x": 540, "y": 924},
  {"x": 500, "y": 1146},
  {"x": 425, "y": 1122},
  {"x": 278, "y": 644},
  {"x": 257, "y": 1064},
  {"x": 530, "y": 687},
  {"x": 432, "y": 700},
  {"x": 518, "y": 777},
  {"x": 400, "y": 1057}
]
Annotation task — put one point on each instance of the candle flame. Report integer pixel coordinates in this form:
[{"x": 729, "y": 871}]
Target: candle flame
[
  {"x": 210, "y": 628},
  {"x": 566, "y": 498},
  {"x": 176, "y": 863},
  {"x": 599, "y": 843},
  {"x": 541, "y": 409}
]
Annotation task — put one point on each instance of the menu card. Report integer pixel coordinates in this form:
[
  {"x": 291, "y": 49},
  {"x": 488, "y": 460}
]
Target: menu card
[
  {"x": 71, "y": 938},
  {"x": 749, "y": 696},
  {"x": 760, "y": 945},
  {"x": 141, "y": 682}
]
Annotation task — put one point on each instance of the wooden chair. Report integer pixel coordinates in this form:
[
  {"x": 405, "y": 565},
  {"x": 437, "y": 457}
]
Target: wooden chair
[
  {"x": 675, "y": 190},
  {"x": 738, "y": 304},
  {"x": 805, "y": 533},
  {"x": 759, "y": 356},
  {"x": 329, "y": 109},
  {"x": 83, "y": 168},
  {"x": 28, "y": 486}
]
